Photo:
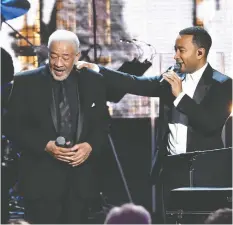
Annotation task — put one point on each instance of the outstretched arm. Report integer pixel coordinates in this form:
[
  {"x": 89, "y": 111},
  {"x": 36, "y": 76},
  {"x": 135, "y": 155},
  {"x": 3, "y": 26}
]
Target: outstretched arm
[{"x": 116, "y": 81}]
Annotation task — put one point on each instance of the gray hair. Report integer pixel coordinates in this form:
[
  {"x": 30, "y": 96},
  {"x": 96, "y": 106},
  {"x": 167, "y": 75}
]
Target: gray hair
[
  {"x": 220, "y": 216},
  {"x": 128, "y": 213},
  {"x": 64, "y": 35}
]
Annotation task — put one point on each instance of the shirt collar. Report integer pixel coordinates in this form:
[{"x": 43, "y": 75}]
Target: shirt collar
[{"x": 196, "y": 76}]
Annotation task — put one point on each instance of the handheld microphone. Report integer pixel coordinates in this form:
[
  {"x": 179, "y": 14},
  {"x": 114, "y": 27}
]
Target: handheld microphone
[
  {"x": 60, "y": 142},
  {"x": 175, "y": 68}
]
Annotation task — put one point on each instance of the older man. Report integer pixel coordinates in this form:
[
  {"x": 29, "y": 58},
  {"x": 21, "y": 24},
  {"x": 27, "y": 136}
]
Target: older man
[{"x": 58, "y": 182}]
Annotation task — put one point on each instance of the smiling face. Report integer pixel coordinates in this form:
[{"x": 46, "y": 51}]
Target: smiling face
[
  {"x": 62, "y": 57},
  {"x": 188, "y": 54}
]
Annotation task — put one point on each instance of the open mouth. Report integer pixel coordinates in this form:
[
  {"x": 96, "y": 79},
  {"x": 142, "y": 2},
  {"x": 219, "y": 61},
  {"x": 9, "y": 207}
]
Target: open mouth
[
  {"x": 180, "y": 63},
  {"x": 58, "y": 72}
]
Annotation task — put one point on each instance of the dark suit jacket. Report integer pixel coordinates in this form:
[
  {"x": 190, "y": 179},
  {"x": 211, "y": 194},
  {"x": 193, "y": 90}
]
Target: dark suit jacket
[
  {"x": 206, "y": 112},
  {"x": 31, "y": 122}
]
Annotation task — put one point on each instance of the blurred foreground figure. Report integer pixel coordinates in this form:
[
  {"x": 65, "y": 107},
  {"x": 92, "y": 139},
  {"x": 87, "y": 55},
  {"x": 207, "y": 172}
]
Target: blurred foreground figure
[
  {"x": 220, "y": 216},
  {"x": 128, "y": 214}
]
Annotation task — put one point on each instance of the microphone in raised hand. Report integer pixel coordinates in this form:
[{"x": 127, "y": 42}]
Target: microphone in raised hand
[{"x": 175, "y": 68}]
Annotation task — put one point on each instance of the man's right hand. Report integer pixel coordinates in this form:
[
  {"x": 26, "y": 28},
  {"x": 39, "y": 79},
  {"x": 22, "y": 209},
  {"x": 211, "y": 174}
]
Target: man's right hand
[
  {"x": 81, "y": 64},
  {"x": 62, "y": 154}
]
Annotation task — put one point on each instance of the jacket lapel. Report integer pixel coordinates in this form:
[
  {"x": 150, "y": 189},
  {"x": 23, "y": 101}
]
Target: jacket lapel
[
  {"x": 80, "y": 109},
  {"x": 202, "y": 88},
  {"x": 204, "y": 85},
  {"x": 53, "y": 110},
  {"x": 48, "y": 91}
]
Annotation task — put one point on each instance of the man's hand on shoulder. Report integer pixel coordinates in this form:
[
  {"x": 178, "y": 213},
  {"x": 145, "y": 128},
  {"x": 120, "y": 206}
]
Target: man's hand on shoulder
[
  {"x": 62, "y": 154},
  {"x": 82, "y": 64}
]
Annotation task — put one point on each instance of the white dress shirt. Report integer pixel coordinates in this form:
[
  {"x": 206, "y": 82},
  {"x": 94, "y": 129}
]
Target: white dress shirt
[{"x": 177, "y": 137}]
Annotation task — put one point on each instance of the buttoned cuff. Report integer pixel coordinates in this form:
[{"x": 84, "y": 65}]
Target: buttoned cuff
[
  {"x": 96, "y": 68},
  {"x": 178, "y": 98}
]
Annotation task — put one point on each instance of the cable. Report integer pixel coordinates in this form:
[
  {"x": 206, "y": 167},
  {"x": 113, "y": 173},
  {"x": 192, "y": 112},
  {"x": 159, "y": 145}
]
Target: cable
[
  {"x": 139, "y": 49},
  {"x": 120, "y": 169},
  {"x": 153, "y": 52},
  {"x": 94, "y": 30},
  {"x": 20, "y": 34}
]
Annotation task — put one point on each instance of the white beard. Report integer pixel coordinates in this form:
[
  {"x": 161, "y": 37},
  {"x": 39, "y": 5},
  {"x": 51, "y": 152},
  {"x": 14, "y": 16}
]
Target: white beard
[{"x": 60, "y": 78}]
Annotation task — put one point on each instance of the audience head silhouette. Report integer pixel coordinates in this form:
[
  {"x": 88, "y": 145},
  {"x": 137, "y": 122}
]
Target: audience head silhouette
[
  {"x": 128, "y": 214},
  {"x": 220, "y": 216}
]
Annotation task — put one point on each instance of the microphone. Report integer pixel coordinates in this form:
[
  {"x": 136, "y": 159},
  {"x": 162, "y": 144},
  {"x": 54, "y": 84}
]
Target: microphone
[
  {"x": 60, "y": 142},
  {"x": 125, "y": 40},
  {"x": 142, "y": 42},
  {"x": 175, "y": 68}
]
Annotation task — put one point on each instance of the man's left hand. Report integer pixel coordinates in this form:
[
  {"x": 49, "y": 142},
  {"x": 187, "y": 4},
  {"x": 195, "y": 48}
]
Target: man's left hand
[
  {"x": 82, "y": 64},
  {"x": 174, "y": 80},
  {"x": 83, "y": 151}
]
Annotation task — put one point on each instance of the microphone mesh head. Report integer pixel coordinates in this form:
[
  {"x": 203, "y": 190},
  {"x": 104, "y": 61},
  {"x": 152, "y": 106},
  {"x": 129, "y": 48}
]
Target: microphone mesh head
[
  {"x": 177, "y": 67},
  {"x": 61, "y": 141}
]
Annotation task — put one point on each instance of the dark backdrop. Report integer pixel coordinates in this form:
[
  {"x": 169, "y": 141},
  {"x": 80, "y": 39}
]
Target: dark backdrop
[{"x": 132, "y": 142}]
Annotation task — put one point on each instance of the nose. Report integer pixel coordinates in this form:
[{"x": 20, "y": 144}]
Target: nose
[
  {"x": 59, "y": 61},
  {"x": 177, "y": 55}
]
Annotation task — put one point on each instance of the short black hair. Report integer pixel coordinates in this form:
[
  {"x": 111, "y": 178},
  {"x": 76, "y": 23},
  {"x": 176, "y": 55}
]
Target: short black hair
[{"x": 200, "y": 37}]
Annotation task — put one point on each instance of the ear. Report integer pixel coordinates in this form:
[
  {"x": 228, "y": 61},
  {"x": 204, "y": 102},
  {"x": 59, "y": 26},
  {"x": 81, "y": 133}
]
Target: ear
[{"x": 200, "y": 52}]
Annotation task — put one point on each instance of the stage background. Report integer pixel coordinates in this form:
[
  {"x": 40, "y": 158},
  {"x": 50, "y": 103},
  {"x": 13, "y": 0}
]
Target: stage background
[{"x": 155, "y": 25}]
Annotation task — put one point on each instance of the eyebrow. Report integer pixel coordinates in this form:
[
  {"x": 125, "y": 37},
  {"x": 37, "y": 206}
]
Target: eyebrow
[
  {"x": 179, "y": 47},
  {"x": 51, "y": 52},
  {"x": 64, "y": 54}
]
